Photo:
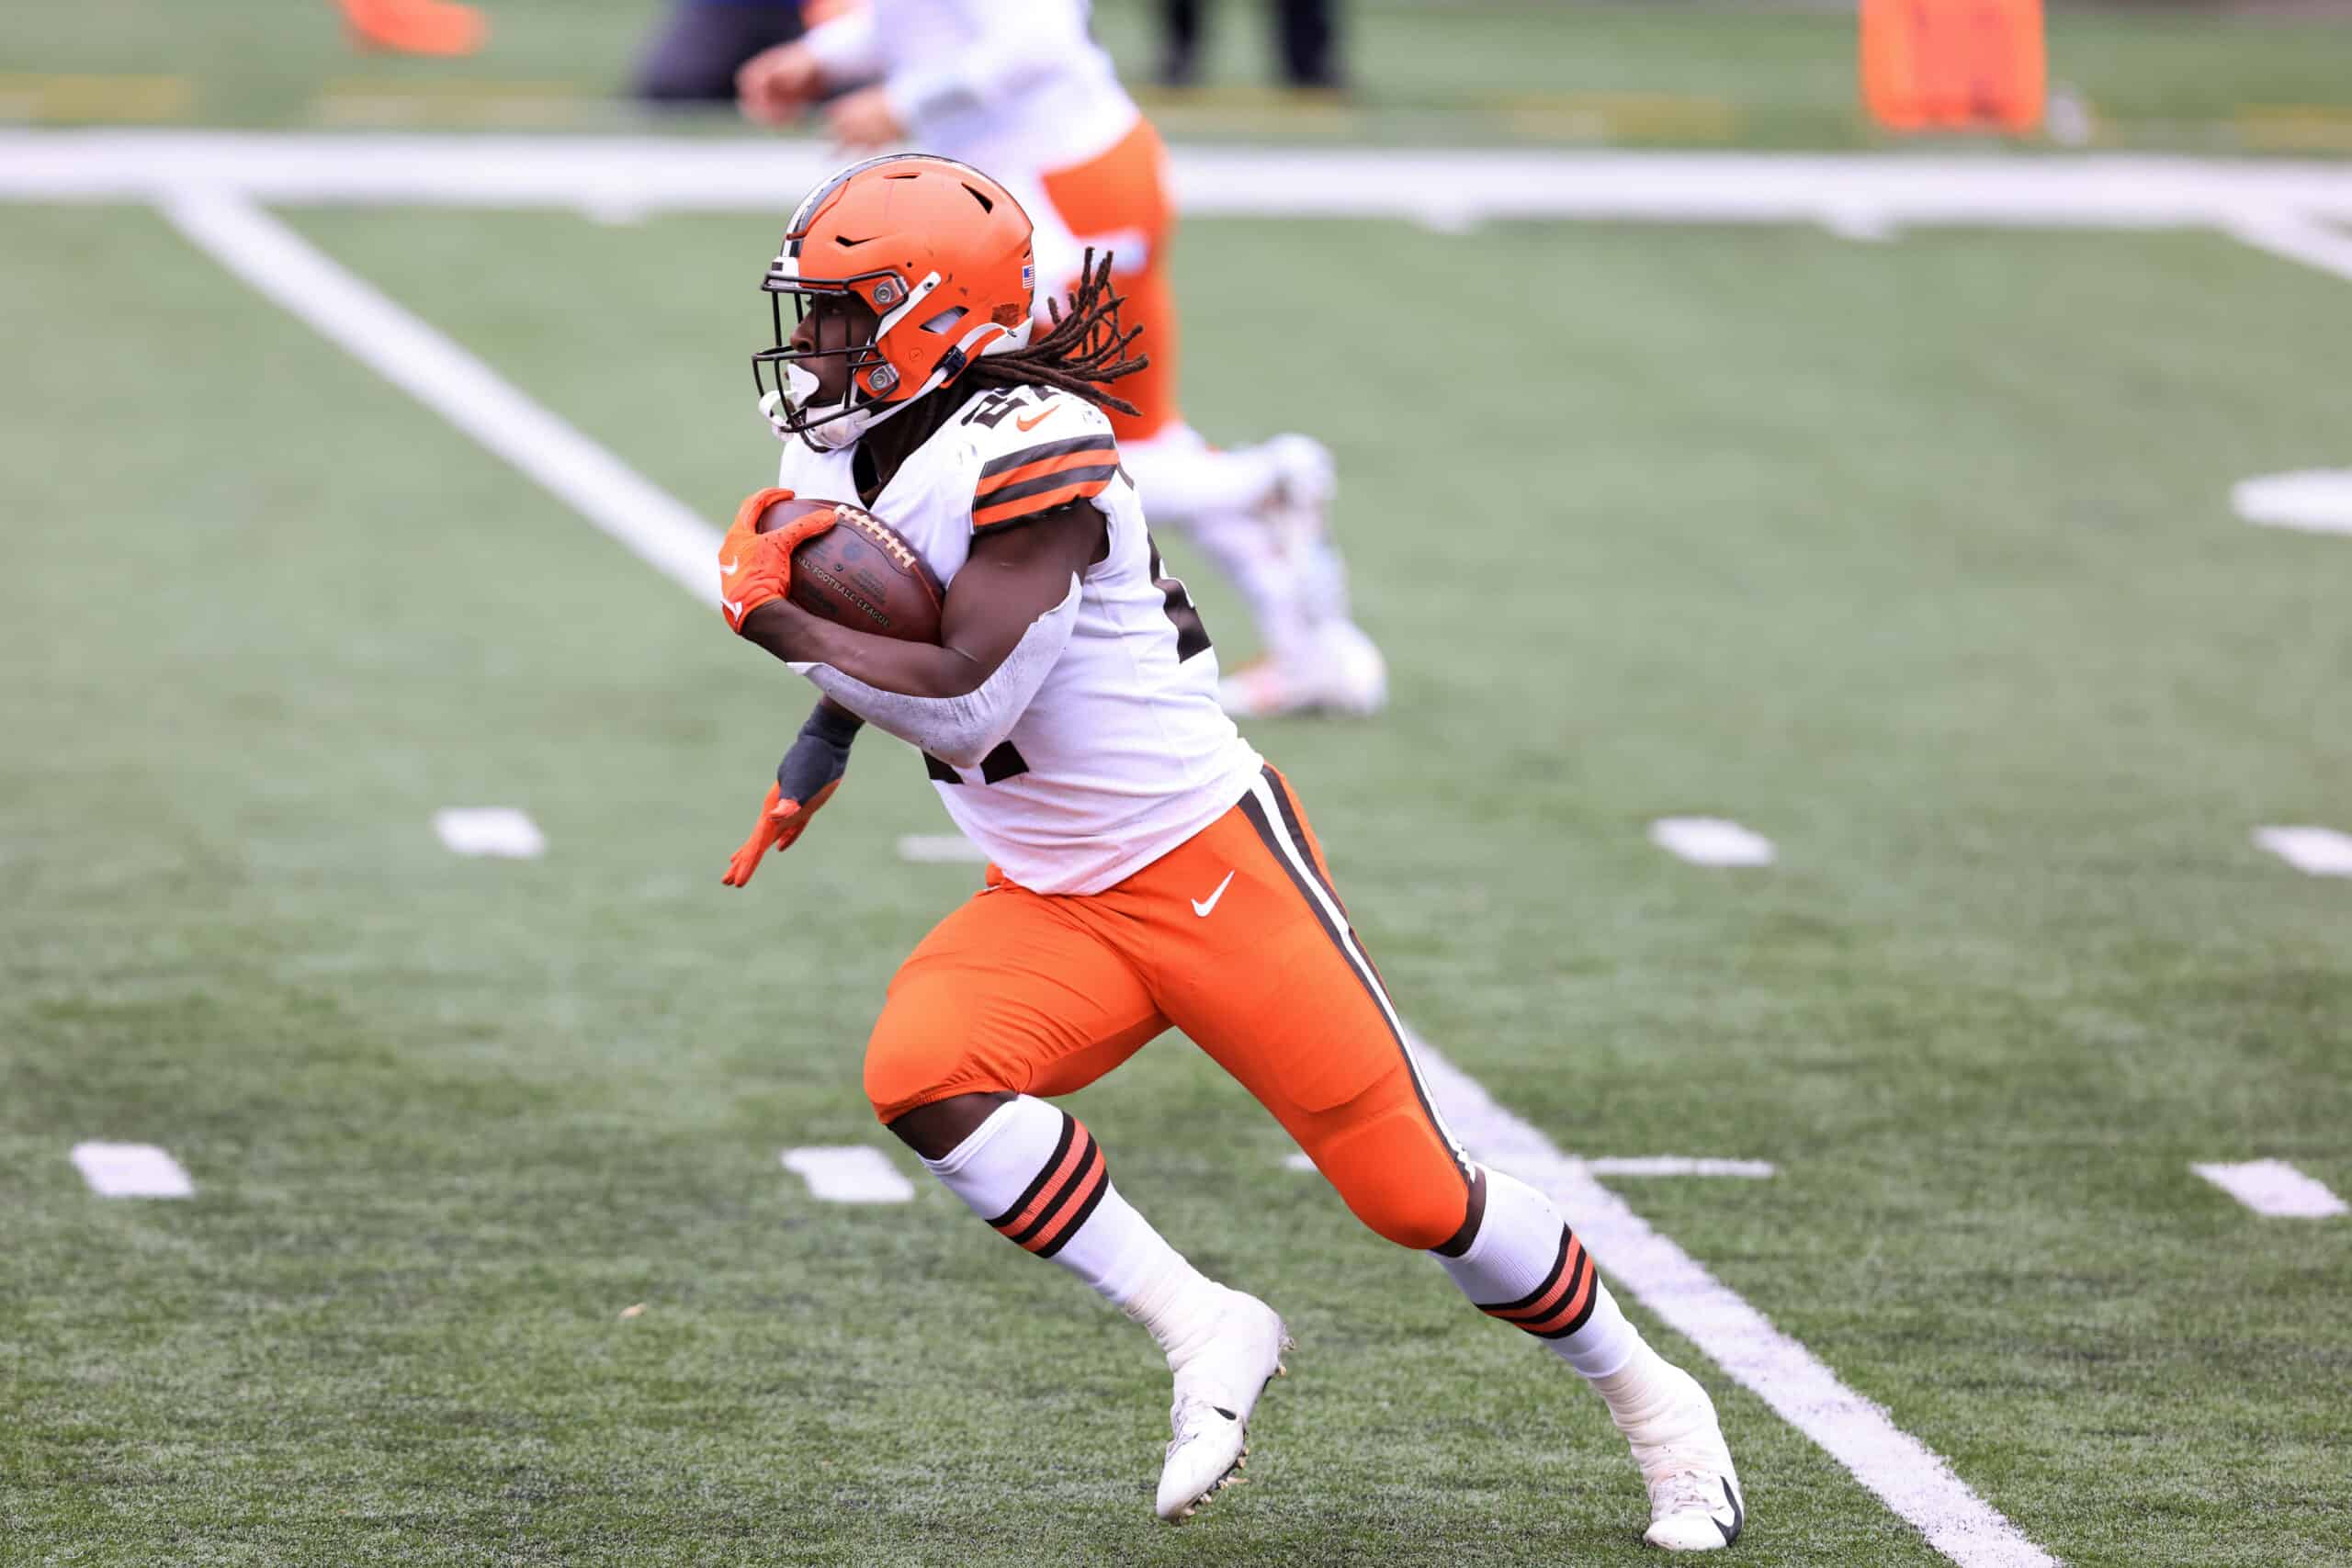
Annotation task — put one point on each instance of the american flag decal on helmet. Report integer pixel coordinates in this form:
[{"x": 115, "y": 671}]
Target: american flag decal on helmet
[{"x": 1029, "y": 276}]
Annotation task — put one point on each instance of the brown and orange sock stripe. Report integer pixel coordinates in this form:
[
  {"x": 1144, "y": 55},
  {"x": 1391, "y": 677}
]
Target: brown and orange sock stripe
[
  {"x": 1052, "y": 1208},
  {"x": 1559, "y": 1306}
]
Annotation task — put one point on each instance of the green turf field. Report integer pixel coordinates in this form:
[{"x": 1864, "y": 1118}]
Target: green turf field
[
  {"x": 1916, "y": 557},
  {"x": 1633, "y": 72}
]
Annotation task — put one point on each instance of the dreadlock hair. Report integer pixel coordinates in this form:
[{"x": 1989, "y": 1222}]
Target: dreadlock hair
[{"x": 1080, "y": 351}]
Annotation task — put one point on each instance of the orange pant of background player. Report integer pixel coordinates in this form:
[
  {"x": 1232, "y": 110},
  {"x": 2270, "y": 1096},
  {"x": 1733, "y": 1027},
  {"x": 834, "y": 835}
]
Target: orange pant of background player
[
  {"x": 1236, "y": 938},
  {"x": 1111, "y": 200}
]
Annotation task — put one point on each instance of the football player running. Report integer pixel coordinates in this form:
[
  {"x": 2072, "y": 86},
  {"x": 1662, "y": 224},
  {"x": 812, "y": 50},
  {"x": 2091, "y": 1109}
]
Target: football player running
[
  {"x": 1021, "y": 91},
  {"x": 1150, "y": 869}
]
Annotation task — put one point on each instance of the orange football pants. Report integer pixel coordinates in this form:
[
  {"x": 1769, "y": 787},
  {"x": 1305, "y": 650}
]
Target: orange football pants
[
  {"x": 1237, "y": 938},
  {"x": 1124, "y": 191}
]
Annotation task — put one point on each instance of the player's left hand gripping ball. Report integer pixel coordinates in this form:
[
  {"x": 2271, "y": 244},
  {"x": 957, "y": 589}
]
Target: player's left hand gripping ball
[{"x": 754, "y": 568}]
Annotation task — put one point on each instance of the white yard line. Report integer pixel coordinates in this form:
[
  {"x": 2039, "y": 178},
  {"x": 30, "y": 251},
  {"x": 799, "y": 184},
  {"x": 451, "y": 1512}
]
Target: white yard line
[
  {"x": 355, "y": 315},
  {"x": 851, "y": 1173},
  {"x": 132, "y": 1170},
  {"x": 2315, "y": 851},
  {"x": 1710, "y": 840},
  {"x": 496, "y": 831},
  {"x": 1908, "y": 1476},
  {"x": 1901, "y": 1470},
  {"x": 2274, "y": 1187},
  {"x": 1678, "y": 1165}
]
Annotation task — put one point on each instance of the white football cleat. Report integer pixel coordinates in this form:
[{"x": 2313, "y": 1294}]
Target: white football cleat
[
  {"x": 1695, "y": 1502},
  {"x": 1219, "y": 1375}
]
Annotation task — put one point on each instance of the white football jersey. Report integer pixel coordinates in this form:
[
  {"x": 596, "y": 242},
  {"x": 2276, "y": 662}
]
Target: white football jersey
[
  {"x": 1010, "y": 87},
  {"x": 1124, "y": 753}
]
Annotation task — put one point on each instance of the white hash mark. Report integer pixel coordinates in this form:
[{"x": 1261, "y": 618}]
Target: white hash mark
[
  {"x": 1710, "y": 840},
  {"x": 2313, "y": 500},
  {"x": 852, "y": 1173},
  {"x": 2274, "y": 1187},
  {"x": 2315, "y": 851},
  {"x": 1677, "y": 1165},
  {"x": 132, "y": 1170},
  {"x": 940, "y": 849},
  {"x": 498, "y": 830}
]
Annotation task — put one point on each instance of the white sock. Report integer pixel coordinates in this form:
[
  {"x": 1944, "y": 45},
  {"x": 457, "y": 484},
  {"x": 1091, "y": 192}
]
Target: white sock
[
  {"x": 1036, "y": 1174},
  {"x": 1528, "y": 1269}
]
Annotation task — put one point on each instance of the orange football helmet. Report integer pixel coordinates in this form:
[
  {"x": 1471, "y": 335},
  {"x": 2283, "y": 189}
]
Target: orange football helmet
[{"x": 940, "y": 253}]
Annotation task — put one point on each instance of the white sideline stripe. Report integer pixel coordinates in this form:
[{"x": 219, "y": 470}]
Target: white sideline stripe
[
  {"x": 1677, "y": 1165},
  {"x": 2296, "y": 236},
  {"x": 2315, "y": 851},
  {"x": 852, "y": 1173},
  {"x": 940, "y": 849},
  {"x": 1710, "y": 840},
  {"x": 1444, "y": 188},
  {"x": 132, "y": 1170},
  {"x": 2316, "y": 500},
  {"x": 2273, "y": 1187},
  {"x": 454, "y": 384},
  {"x": 1298, "y": 1159},
  {"x": 499, "y": 831},
  {"x": 1905, "y": 1473},
  {"x": 1911, "y": 1480}
]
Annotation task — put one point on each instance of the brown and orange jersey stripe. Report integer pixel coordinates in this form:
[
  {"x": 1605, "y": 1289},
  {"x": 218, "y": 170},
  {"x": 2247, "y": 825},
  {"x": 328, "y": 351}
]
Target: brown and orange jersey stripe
[{"x": 1037, "y": 479}]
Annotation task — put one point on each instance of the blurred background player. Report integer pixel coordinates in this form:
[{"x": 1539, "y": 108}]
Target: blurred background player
[
  {"x": 415, "y": 26},
  {"x": 1301, "y": 33},
  {"x": 1025, "y": 93},
  {"x": 702, "y": 43}
]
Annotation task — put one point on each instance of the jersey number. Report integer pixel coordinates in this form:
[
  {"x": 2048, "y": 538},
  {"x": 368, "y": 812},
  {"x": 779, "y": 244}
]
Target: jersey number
[
  {"x": 991, "y": 410},
  {"x": 1191, "y": 638}
]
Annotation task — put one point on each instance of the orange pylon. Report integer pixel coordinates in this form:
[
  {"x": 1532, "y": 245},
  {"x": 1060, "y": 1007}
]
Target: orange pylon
[
  {"x": 415, "y": 27},
  {"x": 1954, "y": 64}
]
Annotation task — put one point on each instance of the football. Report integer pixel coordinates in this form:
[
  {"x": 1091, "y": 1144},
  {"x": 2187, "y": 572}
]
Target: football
[{"x": 860, "y": 572}]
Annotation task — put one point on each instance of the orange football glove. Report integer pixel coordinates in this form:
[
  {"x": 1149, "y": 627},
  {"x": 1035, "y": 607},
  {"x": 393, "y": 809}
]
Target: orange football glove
[
  {"x": 806, "y": 778},
  {"x": 754, "y": 568},
  {"x": 781, "y": 824}
]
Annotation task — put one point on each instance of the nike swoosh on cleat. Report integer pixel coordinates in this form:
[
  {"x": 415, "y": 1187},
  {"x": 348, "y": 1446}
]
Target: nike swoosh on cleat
[
  {"x": 1739, "y": 1516},
  {"x": 1203, "y": 910}
]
